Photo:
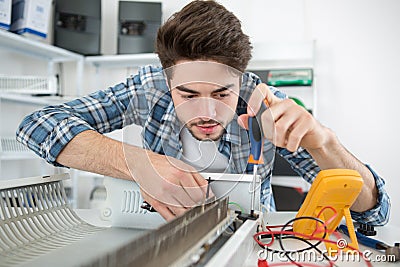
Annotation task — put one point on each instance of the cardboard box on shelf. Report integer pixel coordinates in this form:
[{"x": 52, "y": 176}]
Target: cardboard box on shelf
[
  {"x": 5, "y": 14},
  {"x": 31, "y": 17}
]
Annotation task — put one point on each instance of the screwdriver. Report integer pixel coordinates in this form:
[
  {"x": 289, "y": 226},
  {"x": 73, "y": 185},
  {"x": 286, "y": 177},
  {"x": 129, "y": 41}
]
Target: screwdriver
[
  {"x": 394, "y": 251},
  {"x": 256, "y": 146}
]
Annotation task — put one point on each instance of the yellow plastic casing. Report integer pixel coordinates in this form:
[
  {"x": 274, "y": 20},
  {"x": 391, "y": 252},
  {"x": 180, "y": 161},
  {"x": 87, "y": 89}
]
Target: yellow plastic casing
[{"x": 336, "y": 188}]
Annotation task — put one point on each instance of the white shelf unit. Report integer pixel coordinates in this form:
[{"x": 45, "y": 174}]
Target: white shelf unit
[
  {"x": 281, "y": 55},
  {"x": 123, "y": 61},
  {"x": 32, "y": 48},
  {"x": 35, "y": 49},
  {"x": 34, "y": 100},
  {"x": 52, "y": 55},
  {"x": 11, "y": 149},
  {"x": 126, "y": 63}
]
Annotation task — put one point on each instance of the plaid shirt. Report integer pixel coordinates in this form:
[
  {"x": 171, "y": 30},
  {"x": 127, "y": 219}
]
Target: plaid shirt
[{"x": 145, "y": 100}]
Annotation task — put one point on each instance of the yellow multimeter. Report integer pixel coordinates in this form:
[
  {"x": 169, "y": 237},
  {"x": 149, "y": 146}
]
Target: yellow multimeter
[{"x": 336, "y": 188}]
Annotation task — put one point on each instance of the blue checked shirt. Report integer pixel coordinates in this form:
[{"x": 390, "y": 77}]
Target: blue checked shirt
[{"x": 145, "y": 100}]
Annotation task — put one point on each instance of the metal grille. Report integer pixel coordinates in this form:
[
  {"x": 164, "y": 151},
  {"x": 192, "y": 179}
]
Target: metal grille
[
  {"x": 9, "y": 144},
  {"x": 28, "y": 84},
  {"x": 36, "y": 219}
]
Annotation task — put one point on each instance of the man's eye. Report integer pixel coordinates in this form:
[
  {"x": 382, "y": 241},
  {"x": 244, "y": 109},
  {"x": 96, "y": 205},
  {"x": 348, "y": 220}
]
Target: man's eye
[
  {"x": 222, "y": 95},
  {"x": 188, "y": 96}
]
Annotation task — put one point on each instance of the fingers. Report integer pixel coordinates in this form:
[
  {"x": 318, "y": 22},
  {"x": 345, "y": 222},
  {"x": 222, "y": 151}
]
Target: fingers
[
  {"x": 185, "y": 190},
  {"x": 292, "y": 124},
  {"x": 167, "y": 211},
  {"x": 261, "y": 93},
  {"x": 161, "y": 208},
  {"x": 164, "y": 211},
  {"x": 177, "y": 210},
  {"x": 268, "y": 125},
  {"x": 174, "y": 186},
  {"x": 282, "y": 129},
  {"x": 285, "y": 119},
  {"x": 191, "y": 189},
  {"x": 300, "y": 129},
  {"x": 243, "y": 121},
  {"x": 203, "y": 183},
  {"x": 188, "y": 196},
  {"x": 284, "y": 123},
  {"x": 200, "y": 180}
]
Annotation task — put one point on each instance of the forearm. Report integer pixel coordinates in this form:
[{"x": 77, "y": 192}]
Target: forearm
[
  {"x": 94, "y": 152},
  {"x": 334, "y": 156}
]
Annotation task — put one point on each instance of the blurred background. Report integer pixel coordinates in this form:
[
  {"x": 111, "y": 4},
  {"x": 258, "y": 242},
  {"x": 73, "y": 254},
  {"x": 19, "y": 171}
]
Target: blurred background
[{"x": 348, "y": 51}]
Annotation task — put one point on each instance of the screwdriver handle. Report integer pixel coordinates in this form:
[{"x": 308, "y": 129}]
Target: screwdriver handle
[
  {"x": 364, "y": 240},
  {"x": 256, "y": 136}
]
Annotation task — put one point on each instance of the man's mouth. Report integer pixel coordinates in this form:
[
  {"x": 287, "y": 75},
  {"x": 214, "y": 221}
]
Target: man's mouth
[{"x": 207, "y": 128}]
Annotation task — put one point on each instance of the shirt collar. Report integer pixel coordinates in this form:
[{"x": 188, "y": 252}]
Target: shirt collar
[{"x": 233, "y": 132}]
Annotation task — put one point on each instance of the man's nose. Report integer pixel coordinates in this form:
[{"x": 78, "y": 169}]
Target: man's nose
[{"x": 207, "y": 108}]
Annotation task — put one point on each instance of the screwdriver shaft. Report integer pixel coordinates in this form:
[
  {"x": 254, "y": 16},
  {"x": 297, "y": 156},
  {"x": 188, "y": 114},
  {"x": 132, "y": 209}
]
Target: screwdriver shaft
[{"x": 253, "y": 196}]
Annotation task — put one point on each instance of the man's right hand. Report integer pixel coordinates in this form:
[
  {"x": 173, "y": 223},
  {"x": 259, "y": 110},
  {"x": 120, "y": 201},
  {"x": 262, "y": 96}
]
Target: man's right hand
[{"x": 168, "y": 184}]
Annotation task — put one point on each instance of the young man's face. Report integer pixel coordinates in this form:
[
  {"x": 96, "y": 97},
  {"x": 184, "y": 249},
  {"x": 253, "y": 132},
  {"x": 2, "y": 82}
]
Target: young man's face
[{"x": 205, "y": 95}]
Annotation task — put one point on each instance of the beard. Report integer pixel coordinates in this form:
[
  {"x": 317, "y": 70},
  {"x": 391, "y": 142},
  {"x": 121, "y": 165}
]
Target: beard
[{"x": 215, "y": 136}]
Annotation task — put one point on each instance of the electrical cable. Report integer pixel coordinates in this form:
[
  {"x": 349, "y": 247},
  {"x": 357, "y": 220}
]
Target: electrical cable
[
  {"x": 311, "y": 246},
  {"x": 290, "y": 234},
  {"x": 237, "y": 205}
]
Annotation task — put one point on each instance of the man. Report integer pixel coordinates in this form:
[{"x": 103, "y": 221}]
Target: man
[{"x": 178, "y": 114}]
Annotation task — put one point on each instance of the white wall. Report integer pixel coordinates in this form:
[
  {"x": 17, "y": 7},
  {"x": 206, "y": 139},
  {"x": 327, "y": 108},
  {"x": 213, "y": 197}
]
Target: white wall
[{"x": 357, "y": 66}]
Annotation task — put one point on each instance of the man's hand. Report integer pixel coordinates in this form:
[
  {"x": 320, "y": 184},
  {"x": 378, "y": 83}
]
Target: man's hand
[
  {"x": 285, "y": 123},
  {"x": 289, "y": 126},
  {"x": 168, "y": 184}
]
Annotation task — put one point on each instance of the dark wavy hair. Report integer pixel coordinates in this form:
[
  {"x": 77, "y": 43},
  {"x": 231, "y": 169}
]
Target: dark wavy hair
[{"x": 203, "y": 30}]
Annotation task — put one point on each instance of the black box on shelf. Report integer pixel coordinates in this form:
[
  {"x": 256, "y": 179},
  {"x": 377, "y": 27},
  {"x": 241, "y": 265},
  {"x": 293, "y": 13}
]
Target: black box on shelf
[
  {"x": 78, "y": 26},
  {"x": 138, "y": 23}
]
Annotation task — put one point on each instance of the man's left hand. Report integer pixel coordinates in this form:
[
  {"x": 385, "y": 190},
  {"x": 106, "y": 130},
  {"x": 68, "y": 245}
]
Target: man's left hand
[{"x": 285, "y": 123}]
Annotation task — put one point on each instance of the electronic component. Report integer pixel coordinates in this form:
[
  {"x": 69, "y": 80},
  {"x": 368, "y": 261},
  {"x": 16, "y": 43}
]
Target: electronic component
[
  {"x": 334, "y": 188},
  {"x": 138, "y": 24},
  {"x": 125, "y": 207},
  {"x": 78, "y": 26}
]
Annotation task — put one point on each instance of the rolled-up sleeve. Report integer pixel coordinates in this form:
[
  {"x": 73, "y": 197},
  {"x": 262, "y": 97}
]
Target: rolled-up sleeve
[
  {"x": 378, "y": 215},
  {"x": 49, "y": 130}
]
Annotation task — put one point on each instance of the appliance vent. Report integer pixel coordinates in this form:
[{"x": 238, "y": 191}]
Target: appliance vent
[
  {"x": 131, "y": 202},
  {"x": 9, "y": 144},
  {"x": 28, "y": 84}
]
